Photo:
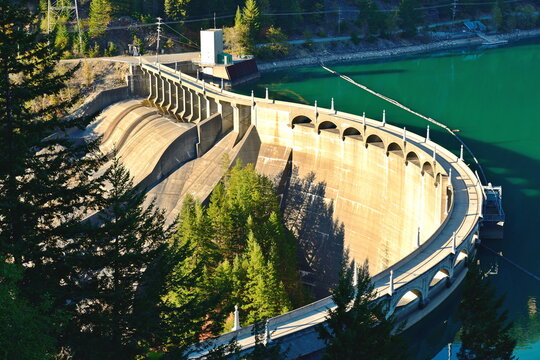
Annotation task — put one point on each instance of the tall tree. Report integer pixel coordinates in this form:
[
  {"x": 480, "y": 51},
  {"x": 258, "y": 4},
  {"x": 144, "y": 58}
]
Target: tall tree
[
  {"x": 251, "y": 17},
  {"x": 45, "y": 187},
  {"x": 125, "y": 240},
  {"x": 485, "y": 332},
  {"x": 176, "y": 9},
  {"x": 409, "y": 17},
  {"x": 100, "y": 17},
  {"x": 358, "y": 327},
  {"x": 265, "y": 293},
  {"x": 28, "y": 331}
]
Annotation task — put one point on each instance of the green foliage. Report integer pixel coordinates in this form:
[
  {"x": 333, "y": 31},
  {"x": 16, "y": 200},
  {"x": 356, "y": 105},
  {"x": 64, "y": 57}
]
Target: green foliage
[
  {"x": 28, "y": 332},
  {"x": 370, "y": 19},
  {"x": 358, "y": 327},
  {"x": 237, "y": 39},
  {"x": 176, "y": 9},
  {"x": 111, "y": 49},
  {"x": 409, "y": 18},
  {"x": 251, "y": 18},
  {"x": 62, "y": 39},
  {"x": 125, "y": 240},
  {"x": 485, "y": 332},
  {"x": 525, "y": 16},
  {"x": 264, "y": 292},
  {"x": 95, "y": 51},
  {"x": 100, "y": 17},
  {"x": 46, "y": 188},
  {"x": 138, "y": 43},
  {"x": 501, "y": 15},
  {"x": 354, "y": 38}
]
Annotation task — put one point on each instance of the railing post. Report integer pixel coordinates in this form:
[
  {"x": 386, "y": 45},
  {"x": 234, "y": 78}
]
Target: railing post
[
  {"x": 461, "y": 153},
  {"x": 383, "y": 117},
  {"x": 316, "y": 109},
  {"x": 267, "y": 338},
  {"x": 454, "y": 243},
  {"x": 418, "y": 241},
  {"x": 427, "y": 134},
  {"x": 404, "y": 134},
  {"x": 332, "y": 105},
  {"x": 364, "y": 119},
  {"x": 266, "y": 95},
  {"x": 236, "y": 325}
]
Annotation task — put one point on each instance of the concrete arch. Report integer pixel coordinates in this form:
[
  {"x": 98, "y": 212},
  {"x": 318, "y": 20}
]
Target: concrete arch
[
  {"x": 394, "y": 148},
  {"x": 352, "y": 133},
  {"x": 461, "y": 256},
  {"x": 427, "y": 168},
  {"x": 439, "y": 276},
  {"x": 375, "y": 140},
  {"x": 301, "y": 119},
  {"x": 412, "y": 158},
  {"x": 408, "y": 298},
  {"x": 326, "y": 125}
]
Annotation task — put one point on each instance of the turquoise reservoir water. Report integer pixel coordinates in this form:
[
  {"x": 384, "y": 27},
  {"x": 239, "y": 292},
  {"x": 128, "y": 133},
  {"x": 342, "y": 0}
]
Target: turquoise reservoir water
[{"x": 493, "y": 97}]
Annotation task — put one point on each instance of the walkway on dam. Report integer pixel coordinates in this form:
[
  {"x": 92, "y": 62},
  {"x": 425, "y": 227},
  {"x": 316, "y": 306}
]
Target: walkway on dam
[{"x": 461, "y": 220}]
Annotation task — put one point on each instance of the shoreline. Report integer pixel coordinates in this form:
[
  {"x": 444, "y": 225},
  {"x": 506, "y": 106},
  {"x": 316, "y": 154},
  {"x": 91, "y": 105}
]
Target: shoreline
[{"x": 393, "y": 52}]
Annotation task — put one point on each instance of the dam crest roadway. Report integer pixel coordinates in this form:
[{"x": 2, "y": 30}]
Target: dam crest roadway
[{"x": 409, "y": 206}]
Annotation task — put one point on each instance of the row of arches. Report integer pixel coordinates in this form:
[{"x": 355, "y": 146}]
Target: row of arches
[
  {"x": 442, "y": 276},
  {"x": 372, "y": 140}
]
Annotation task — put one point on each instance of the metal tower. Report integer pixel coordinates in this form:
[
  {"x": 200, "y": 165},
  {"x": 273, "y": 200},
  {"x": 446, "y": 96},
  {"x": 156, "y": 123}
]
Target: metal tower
[{"x": 68, "y": 9}]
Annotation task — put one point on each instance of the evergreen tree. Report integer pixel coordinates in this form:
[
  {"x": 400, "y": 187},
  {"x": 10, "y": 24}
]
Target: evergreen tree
[
  {"x": 409, "y": 18},
  {"x": 28, "y": 331},
  {"x": 358, "y": 328},
  {"x": 45, "y": 187},
  {"x": 125, "y": 240},
  {"x": 485, "y": 332},
  {"x": 238, "y": 17},
  {"x": 100, "y": 17},
  {"x": 265, "y": 293},
  {"x": 251, "y": 18},
  {"x": 176, "y": 9},
  {"x": 62, "y": 39}
]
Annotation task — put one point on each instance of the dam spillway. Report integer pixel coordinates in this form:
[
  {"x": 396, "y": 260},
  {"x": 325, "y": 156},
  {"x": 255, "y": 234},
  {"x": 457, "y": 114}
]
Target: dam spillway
[{"x": 410, "y": 207}]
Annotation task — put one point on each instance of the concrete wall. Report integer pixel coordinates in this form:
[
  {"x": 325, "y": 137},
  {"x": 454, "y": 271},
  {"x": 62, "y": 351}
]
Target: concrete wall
[{"x": 209, "y": 131}]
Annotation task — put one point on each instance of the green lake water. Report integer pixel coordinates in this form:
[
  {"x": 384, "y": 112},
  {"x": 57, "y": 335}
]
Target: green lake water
[{"x": 493, "y": 97}]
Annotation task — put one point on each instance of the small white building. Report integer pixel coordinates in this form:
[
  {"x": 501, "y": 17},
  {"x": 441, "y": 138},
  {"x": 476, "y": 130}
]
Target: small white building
[{"x": 211, "y": 46}]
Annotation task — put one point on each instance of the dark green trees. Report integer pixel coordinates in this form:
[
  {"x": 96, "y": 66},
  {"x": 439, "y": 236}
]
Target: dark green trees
[
  {"x": 116, "y": 251},
  {"x": 357, "y": 328},
  {"x": 409, "y": 18},
  {"x": 247, "y": 256},
  {"x": 485, "y": 332},
  {"x": 100, "y": 17}
]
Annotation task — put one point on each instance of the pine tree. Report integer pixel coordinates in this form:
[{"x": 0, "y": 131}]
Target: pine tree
[
  {"x": 485, "y": 332},
  {"x": 357, "y": 328},
  {"x": 176, "y": 9},
  {"x": 100, "y": 17},
  {"x": 45, "y": 184},
  {"x": 28, "y": 331},
  {"x": 265, "y": 293},
  {"x": 238, "y": 17},
  {"x": 409, "y": 17},
  {"x": 251, "y": 18},
  {"x": 125, "y": 240}
]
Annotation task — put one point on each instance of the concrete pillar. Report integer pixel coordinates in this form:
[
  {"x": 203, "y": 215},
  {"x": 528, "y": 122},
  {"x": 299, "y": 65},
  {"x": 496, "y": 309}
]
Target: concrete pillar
[
  {"x": 163, "y": 98},
  {"x": 266, "y": 95},
  {"x": 454, "y": 243},
  {"x": 177, "y": 101},
  {"x": 252, "y": 98},
  {"x": 404, "y": 135},
  {"x": 427, "y": 134},
  {"x": 149, "y": 85},
  {"x": 236, "y": 119},
  {"x": 221, "y": 88},
  {"x": 236, "y": 325},
  {"x": 450, "y": 177},
  {"x": 208, "y": 110},
  {"x": 156, "y": 87},
  {"x": 170, "y": 105},
  {"x": 461, "y": 153},
  {"x": 383, "y": 117},
  {"x": 316, "y": 112},
  {"x": 332, "y": 106},
  {"x": 364, "y": 120},
  {"x": 418, "y": 240},
  {"x": 254, "y": 114},
  {"x": 435, "y": 153}
]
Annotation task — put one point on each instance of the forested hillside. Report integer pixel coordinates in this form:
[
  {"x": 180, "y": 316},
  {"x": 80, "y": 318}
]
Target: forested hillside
[{"x": 108, "y": 26}]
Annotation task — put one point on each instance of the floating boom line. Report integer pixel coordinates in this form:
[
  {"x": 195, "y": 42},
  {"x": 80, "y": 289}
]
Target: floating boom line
[{"x": 398, "y": 104}]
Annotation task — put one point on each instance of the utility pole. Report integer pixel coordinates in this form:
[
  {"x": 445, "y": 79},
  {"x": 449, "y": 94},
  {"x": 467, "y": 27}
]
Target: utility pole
[
  {"x": 158, "y": 35},
  {"x": 58, "y": 9}
]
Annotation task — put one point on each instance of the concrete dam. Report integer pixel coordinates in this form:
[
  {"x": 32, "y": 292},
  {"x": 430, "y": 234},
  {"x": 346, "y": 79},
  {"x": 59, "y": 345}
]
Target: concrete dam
[{"x": 410, "y": 207}]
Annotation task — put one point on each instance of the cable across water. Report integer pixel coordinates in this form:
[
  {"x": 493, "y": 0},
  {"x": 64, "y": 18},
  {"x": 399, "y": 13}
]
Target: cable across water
[{"x": 398, "y": 104}]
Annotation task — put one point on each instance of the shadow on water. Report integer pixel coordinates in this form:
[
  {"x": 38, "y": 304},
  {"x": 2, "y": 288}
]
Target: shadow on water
[{"x": 321, "y": 238}]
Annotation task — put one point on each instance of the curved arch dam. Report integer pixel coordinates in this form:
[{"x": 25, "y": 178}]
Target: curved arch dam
[{"x": 349, "y": 185}]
